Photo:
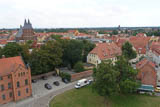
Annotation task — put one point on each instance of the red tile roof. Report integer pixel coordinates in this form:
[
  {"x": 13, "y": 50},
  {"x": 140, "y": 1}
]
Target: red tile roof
[
  {"x": 139, "y": 43},
  {"x": 106, "y": 50},
  {"x": 144, "y": 62},
  {"x": 141, "y": 34},
  {"x": 72, "y": 31},
  {"x": 8, "y": 65},
  {"x": 3, "y": 42},
  {"x": 121, "y": 41},
  {"x": 65, "y": 37}
]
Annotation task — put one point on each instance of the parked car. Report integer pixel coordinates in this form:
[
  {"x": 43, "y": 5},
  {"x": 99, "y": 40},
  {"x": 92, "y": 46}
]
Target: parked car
[
  {"x": 65, "y": 80},
  {"x": 157, "y": 89},
  {"x": 81, "y": 83},
  {"x": 44, "y": 78},
  {"x": 56, "y": 83},
  {"x": 90, "y": 81},
  {"x": 34, "y": 80},
  {"x": 48, "y": 86}
]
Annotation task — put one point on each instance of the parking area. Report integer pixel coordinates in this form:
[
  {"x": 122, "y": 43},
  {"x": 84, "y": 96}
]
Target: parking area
[{"x": 39, "y": 90}]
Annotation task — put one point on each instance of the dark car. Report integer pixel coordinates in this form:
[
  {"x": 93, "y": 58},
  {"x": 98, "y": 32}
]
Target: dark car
[
  {"x": 34, "y": 80},
  {"x": 48, "y": 86},
  {"x": 44, "y": 78},
  {"x": 56, "y": 83},
  {"x": 65, "y": 80}
]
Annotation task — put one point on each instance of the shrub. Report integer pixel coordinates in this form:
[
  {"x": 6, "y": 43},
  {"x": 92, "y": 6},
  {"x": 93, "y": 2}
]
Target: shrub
[
  {"x": 79, "y": 67},
  {"x": 65, "y": 75}
]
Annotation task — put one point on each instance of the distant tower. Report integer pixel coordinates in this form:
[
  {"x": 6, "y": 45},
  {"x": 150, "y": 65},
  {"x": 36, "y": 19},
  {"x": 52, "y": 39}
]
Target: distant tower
[{"x": 119, "y": 27}]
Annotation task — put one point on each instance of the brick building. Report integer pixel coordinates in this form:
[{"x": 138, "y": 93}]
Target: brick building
[
  {"x": 147, "y": 73},
  {"x": 15, "y": 80},
  {"x": 26, "y": 32}
]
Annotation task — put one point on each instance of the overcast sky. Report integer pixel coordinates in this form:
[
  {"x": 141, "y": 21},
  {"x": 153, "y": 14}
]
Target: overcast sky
[{"x": 79, "y": 13}]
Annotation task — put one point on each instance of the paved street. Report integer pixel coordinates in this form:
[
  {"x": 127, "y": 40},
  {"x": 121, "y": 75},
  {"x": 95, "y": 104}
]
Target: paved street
[{"x": 42, "y": 96}]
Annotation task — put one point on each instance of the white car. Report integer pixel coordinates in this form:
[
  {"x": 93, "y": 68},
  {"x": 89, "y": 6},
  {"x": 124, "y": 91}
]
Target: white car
[{"x": 81, "y": 83}]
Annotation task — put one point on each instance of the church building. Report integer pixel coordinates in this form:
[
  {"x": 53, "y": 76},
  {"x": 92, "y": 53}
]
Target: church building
[{"x": 26, "y": 32}]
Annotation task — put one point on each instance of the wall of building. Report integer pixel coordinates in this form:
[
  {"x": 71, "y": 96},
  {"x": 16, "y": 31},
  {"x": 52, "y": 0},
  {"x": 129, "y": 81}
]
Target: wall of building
[
  {"x": 147, "y": 75},
  {"x": 156, "y": 59},
  {"x": 93, "y": 59},
  {"x": 6, "y": 90},
  {"x": 20, "y": 76}
]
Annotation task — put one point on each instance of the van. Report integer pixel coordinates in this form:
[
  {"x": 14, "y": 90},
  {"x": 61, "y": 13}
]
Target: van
[{"x": 81, "y": 83}]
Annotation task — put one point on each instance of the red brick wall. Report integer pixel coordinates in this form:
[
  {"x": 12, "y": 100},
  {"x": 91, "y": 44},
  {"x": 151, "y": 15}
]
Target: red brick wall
[
  {"x": 6, "y": 91},
  {"x": 41, "y": 75},
  {"x": 81, "y": 75},
  {"x": 19, "y": 76}
]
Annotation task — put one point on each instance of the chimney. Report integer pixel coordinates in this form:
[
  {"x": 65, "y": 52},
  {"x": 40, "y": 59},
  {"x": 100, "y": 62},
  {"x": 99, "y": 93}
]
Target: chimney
[{"x": 3, "y": 56}]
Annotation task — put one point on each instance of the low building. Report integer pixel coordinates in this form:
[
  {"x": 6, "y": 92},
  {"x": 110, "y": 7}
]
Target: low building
[
  {"x": 15, "y": 80},
  {"x": 147, "y": 72},
  {"x": 104, "y": 51},
  {"x": 154, "y": 52}
]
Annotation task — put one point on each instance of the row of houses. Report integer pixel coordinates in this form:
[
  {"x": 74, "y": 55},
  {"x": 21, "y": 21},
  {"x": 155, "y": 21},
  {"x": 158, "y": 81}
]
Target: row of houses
[{"x": 148, "y": 47}]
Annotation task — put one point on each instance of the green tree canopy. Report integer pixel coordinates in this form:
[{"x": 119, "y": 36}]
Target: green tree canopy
[
  {"x": 12, "y": 49},
  {"x": 78, "y": 67},
  {"x": 127, "y": 76},
  {"x": 105, "y": 77},
  {"x": 128, "y": 51},
  {"x": 115, "y": 32},
  {"x": 46, "y": 58},
  {"x": 72, "y": 51},
  {"x": 87, "y": 47},
  {"x": 56, "y": 37},
  {"x": 115, "y": 79}
]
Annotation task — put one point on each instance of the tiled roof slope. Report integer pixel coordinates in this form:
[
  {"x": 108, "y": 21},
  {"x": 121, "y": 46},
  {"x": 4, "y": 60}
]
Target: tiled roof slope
[
  {"x": 7, "y": 65},
  {"x": 106, "y": 50},
  {"x": 144, "y": 62}
]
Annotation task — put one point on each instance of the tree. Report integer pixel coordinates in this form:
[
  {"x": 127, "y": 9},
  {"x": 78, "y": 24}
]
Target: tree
[
  {"x": 127, "y": 76},
  {"x": 11, "y": 50},
  {"x": 46, "y": 58},
  {"x": 105, "y": 77},
  {"x": 87, "y": 47},
  {"x": 134, "y": 33},
  {"x": 56, "y": 37},
  {"x": 78, "y": 67},
  {"x": 119, "y": 78},
  {"x": 25, "y": 53},
  {"x": 128, "y": 51},
  {"x": 72, "y": 51},
  {"x": 115, "y": 32}
]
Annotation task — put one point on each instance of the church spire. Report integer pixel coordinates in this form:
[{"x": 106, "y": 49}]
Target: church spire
[
  {"x": 29, "y": 21},
  {"x": 25, "y": 22}
]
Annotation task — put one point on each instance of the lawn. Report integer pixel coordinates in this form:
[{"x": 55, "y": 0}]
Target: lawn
[{"x": 84, "y": 97}]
